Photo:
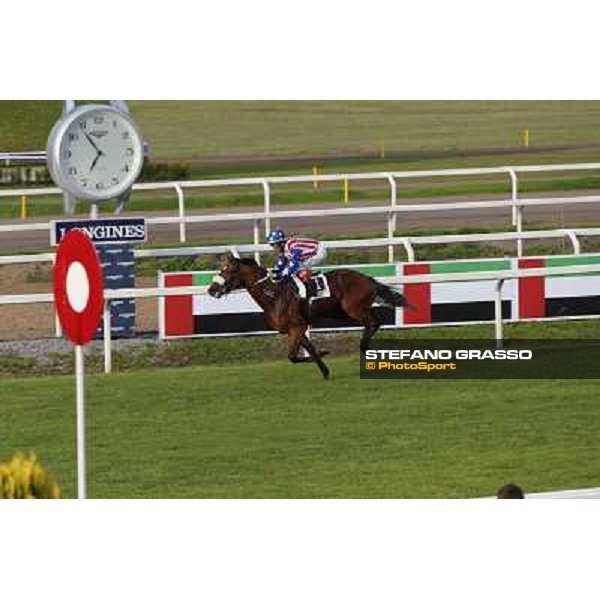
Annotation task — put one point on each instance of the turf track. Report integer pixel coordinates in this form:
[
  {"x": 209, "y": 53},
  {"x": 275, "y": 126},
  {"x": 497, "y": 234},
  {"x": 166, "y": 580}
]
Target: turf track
[{"x": 277, "y": 430}]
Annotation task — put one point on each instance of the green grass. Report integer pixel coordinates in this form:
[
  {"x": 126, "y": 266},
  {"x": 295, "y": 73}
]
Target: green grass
[
  {"x": 260, "y": 427},
  {"x": 189, "y": 130},
  {"x": 276, "y": 430},
  {"x": 376, "y": 192}
]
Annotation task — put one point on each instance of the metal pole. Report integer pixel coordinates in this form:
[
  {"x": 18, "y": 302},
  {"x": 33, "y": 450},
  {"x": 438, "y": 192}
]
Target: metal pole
[
  {"x": 498, "y": 312},
  {"x": 267, "y": 201},
  {"x": 517, "y": 211},
  {"x": 57, "y": 325},
  {"x": 107, "y": 338},
  {"x": 79, "y": 376},
  {"x": 256, "y": 240},
  {"x": 520, "y": 230},
  {"x": 181, "y": 201},
  {"x": 392, "y": 217}
]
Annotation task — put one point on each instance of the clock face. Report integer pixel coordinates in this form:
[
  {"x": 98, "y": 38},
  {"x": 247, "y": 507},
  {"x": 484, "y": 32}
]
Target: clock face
[{"x": 95, "y": 152}]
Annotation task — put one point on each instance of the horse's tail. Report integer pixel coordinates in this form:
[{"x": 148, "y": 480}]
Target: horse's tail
[{"x": 391, "y": 297}]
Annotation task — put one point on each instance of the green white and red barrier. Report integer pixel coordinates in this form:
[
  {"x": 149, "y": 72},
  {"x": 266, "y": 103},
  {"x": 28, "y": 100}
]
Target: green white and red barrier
[{"x": 439, "y": 303}]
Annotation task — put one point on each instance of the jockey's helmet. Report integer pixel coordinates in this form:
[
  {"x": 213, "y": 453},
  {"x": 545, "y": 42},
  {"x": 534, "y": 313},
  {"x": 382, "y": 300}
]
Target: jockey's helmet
[{"x": 277, "y": 236}]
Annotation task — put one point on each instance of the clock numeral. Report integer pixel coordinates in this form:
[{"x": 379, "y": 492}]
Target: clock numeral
[
  {"x": 73, "y": 137},
  {"x": 129, "y": 152},
  {"x": 67, "y": 154},
  {"x": 125, "y": 135},
  {"x": 115, "y": 180},
  {"x": 98, "y": 120},
  {"x": 72, "y": 171},
  {"x": 114, "y": 123},
  {"x": 125, "y": 169},
  {"x": 99, "y": 185},
  {"x": 84, "y": 182},
  {"x": 82, "y": 125}
]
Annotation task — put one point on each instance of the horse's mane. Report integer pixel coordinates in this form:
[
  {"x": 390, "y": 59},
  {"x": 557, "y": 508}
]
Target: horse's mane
[{"x": 248, "y": 262}]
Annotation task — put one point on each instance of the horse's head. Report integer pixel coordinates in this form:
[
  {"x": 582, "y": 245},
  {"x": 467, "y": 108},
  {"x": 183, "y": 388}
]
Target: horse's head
[{"x": 235, "y": 274}]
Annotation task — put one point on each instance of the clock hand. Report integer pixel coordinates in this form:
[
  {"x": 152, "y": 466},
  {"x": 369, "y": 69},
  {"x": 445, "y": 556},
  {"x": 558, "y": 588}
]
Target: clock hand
[
  {"x": 91, "y": 141},
  {"x": 96, "y": 160}
]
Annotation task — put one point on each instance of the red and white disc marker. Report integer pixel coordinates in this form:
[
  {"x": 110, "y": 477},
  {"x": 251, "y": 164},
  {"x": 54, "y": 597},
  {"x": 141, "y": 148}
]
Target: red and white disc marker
[{"x": 78, "y": 287}]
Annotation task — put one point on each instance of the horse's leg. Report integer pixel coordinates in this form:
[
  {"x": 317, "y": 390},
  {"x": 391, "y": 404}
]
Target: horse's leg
[
  {"x": 315, "y": 355},
  {"x": 363, "y": 312},
  {"x": 294, "y": 341},
  {"x": 372, "y": 325}
]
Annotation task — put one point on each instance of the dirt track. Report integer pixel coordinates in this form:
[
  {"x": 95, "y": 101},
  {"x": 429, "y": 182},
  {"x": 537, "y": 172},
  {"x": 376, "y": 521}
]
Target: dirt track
[
  {"x": 35, "y": 321},
  {"x": 204, "y": 233}
]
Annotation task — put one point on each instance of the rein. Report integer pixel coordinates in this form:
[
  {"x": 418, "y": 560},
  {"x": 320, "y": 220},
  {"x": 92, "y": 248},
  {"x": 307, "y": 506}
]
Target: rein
[{"x": 259, "y": 282}]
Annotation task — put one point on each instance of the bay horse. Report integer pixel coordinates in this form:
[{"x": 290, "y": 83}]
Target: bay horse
[{"x": 352, "y": 293}]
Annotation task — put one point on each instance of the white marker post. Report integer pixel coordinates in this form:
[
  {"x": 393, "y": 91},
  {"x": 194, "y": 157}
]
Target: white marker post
[
  {"x": 79, "y": 377},
  {"x": 79, "y": 300}
]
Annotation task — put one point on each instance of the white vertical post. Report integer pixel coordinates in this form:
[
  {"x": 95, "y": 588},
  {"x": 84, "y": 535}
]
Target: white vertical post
[
  {"x": 517, "y": 211},
  {"x": 57, "y": 326},
  {"x": 514, "y": 191},
  {"x": 498, "y": 312},
  {"x": 574, "y": 241},
  {"x": 519, "y": 230},
  {"x": 392, "y": 217},
  {"x": 107, "y": 337},
  {"x": 256, "y": 238},
  {"x": 181, "y": 204},
  {"x": 267, "y": 201},
  {"x": 94, "y": 211},
  {"x": 79, "y": 376}
]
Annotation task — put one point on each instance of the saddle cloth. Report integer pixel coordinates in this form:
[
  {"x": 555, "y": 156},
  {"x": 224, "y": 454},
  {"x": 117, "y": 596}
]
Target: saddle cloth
[{"x": 321, "y": 286}]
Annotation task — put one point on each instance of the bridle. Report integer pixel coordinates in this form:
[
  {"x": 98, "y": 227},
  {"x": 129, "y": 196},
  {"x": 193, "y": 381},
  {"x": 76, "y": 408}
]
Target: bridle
[{"x": 228, "y": 285}]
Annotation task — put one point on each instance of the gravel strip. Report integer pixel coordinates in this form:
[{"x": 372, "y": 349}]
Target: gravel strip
[{"x": 42, "y": 350}]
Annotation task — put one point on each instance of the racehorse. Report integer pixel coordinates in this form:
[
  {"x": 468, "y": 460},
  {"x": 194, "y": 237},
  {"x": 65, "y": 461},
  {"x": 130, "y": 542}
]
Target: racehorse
[{"x": 351, "y": 292}]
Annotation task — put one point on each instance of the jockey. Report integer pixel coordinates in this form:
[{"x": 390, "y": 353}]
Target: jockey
[{"x": 295, "y": 258}]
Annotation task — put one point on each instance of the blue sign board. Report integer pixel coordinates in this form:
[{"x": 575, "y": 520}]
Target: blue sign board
[{"x": 102, "y": 231}]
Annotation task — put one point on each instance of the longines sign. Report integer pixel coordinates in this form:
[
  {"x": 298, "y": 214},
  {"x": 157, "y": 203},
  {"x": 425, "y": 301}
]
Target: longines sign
[{"x": 102, "y": 231}]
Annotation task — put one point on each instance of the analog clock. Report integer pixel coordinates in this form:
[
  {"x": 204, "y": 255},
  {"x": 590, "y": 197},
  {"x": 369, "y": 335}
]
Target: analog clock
[{"x": 95, "y": 152}]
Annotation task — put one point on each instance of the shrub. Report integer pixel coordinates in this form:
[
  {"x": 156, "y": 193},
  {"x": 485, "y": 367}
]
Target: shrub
[{"x": 23, "y": 477}]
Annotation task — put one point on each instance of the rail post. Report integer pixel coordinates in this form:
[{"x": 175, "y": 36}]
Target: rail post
[
  {"x": 107, "y": 334},
  {"x": 574, "y": 241},
  {"x": 498, "y": 312},
  {"x": 267, "y": 202},
  {"x": 392, "y": 217},
  {"x": 517, "y": 209},
  {"x": 181, "y": 204},
  {"x": 23, "y": 207},
  {"x": 410, "y": 251},
  {"x": 57, "y": 326},
  {"x": 256, "y": 228}
]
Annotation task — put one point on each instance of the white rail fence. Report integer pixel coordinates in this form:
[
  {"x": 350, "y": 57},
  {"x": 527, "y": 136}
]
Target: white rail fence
[
  {"x": 390, "y": 211},
  {"x": 408, "y": 243},
  {"x": 498, "y": 276}
]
